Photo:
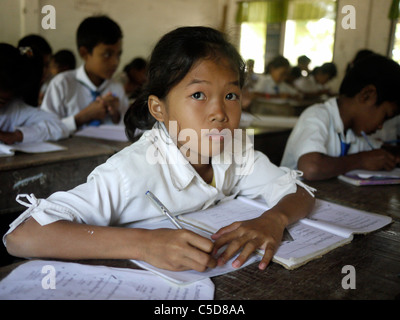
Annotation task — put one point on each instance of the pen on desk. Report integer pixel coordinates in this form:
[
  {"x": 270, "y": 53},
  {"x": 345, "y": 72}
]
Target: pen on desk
[
  {"x": 163, "y": 209},
  {"x": 367, "y": 140}
]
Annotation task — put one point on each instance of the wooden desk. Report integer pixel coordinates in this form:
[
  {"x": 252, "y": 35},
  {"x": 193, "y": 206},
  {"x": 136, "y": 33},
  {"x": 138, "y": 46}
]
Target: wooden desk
[
  {"x": 280, "y": 106},
  {"x": 271, "y": 141},
  {"x": 45, "y": 173},
  {"x": 375, "y": 257}
]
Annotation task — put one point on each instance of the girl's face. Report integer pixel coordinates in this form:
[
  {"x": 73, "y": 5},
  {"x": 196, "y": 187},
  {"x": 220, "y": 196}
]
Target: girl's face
[
  {"x": 279, "y": 74},
  {"x": 204, "y": 108}
]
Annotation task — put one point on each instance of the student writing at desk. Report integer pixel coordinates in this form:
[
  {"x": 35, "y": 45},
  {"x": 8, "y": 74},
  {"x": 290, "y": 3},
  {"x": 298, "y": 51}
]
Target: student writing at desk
[
  {"x": 87, "y": 95},
  {"x": 20, "y": 122},
  {"x": 194, "y": 83},
  {"x": 330, "y": 138}
]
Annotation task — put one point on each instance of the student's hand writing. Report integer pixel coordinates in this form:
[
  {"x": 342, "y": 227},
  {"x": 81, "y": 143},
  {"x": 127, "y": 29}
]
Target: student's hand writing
[
  {"x": 11, "y": 137},
  {"x": 379, "y": 159},
  {"x": 264, "y": 233},
  {"x": 178, "y": 250}
]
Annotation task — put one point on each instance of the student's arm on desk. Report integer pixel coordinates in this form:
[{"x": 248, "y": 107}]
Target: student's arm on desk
[
  {"x": 318, "y": 166},
  {"x": 264, "y": 232},
  {"x": 164, "y": 248}
]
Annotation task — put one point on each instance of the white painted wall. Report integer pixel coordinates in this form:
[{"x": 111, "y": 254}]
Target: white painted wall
[{"x": 143, "y": 22}]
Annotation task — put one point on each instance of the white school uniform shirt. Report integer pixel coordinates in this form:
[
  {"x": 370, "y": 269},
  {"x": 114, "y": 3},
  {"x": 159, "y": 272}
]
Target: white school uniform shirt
[
  {"x": 114, "y": 194},
  {"x": 266, "y": 84},
  {"x": 318, "y": 130},
  {"x": 36, "y": 125},
  {"x": 69, "y": 92}
]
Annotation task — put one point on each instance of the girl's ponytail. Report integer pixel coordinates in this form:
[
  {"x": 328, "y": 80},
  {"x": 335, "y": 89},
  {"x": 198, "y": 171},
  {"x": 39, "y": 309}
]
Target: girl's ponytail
[{"x": 138, "y": 116}]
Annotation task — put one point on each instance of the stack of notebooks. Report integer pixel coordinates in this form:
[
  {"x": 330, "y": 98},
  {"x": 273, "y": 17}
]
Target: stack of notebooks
[{"x": 367, "y": 178}]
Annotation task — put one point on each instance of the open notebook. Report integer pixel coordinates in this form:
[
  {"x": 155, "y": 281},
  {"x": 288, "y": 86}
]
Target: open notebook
[
  {"x": 36, "y": 147},
  {"x": 327, "y": 227},
  {"x": 365, "y": 177}
]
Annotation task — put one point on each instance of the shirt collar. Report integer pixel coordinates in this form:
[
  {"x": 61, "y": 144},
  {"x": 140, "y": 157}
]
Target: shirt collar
[
  {"x": 333, "y": 109},
  {"x": 82, "y": 77}
]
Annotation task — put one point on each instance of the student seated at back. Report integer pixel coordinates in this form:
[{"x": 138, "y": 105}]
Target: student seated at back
[
  {"x": 303, "y": 63},
  {"x": 315, "y": 84},
  {"x": 330, "y": 139},
  {"x": 20, "y": 122},
  {"x": 62, "y": 60},
  {"x": 194, "y": 85},
  {"x": 272, "y": 84},
  {"x": 43, "y": 52},
  {"x": 133, "y": 77},
  {"x": 87, "y": 95}
]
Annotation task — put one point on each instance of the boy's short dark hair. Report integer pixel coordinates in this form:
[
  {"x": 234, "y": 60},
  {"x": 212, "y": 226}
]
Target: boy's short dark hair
[
  {"x": 303, "y": 59},
  {"x": 328, "y": 68},
  {"x": 65, "y": 59},
  {"x": 95, "y": 30},
  {"x": 376, "y": 70}
]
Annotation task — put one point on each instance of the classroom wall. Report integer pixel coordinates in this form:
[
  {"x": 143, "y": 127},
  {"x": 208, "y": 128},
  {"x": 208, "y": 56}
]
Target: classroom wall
[{"x": 144, "y": 21}]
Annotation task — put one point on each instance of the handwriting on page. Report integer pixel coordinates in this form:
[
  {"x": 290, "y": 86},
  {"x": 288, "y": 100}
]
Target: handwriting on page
[{"x": 81, "y": 282}]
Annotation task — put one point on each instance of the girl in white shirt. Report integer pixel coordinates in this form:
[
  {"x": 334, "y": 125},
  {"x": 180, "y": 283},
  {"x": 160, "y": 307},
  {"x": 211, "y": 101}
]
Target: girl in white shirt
[
  {"x": 20, "y": 122},
  {"x": 194, "y": 85}
]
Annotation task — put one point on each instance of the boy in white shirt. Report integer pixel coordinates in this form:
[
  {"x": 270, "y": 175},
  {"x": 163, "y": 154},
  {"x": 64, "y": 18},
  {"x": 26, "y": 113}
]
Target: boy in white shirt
[
  {"x": 273, "y": 85},
  {"x": 20, "y": 122},
  {"x": 87, "y": 95},
  {"x": 328, "y": 138}
]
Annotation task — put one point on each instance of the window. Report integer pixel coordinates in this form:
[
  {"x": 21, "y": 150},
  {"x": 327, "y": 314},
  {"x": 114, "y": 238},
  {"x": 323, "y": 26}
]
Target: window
[
  {"x": 396, "y": 43},
  {"x": 394, "y": 48},
  {"x": 289, "y": 27}
]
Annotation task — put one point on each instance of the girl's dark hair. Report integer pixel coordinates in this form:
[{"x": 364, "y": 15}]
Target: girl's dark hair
[
  {"x": 172, "y": 58},
  {"x": 328, "y": 68},
  {"x": 20, "y": 70},
  {"x": 376, "y": 70}
]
